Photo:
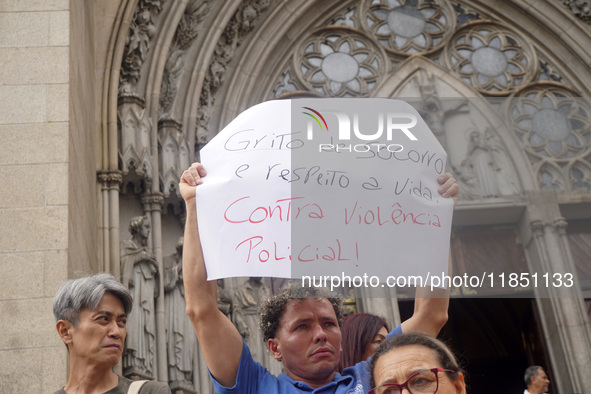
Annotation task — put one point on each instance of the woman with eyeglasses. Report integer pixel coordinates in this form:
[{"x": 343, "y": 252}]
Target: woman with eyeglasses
[{"x": 418, "y": 363}]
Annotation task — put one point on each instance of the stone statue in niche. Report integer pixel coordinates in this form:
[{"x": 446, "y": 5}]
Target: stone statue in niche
[
  {"x": 140, "y": 275},
  {"x": 507, "y": 179},
  {"x": 434, "y": 110},
  {"x": 224, "y": 299},
  {"x": 246, "y": 300},
  {"x": 181, "y": 339},
  {"x": 486, "y": 170}
]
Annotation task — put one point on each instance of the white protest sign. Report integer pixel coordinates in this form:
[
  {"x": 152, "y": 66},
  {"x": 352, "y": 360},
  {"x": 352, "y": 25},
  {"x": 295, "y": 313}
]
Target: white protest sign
[{"x": 317, "y": 187}]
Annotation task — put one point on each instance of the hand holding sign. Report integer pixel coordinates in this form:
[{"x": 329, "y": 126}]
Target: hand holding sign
[{"x": 325, "y": 187}]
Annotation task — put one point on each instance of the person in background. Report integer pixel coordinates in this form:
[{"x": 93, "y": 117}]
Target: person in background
[
  {"x": 362, "y": 333},
  {"x": 91, "y": 316},
  {"x": 416, "y": 363},
  {"x": 536, "y": 380}
]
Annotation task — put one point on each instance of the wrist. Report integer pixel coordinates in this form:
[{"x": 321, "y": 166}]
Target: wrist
[{"x": 190, "y": 205}]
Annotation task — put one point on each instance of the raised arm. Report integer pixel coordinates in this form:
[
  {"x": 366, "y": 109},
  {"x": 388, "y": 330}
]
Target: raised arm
[
  {"x": 220, "y": 341},
  {"x": 430, "y": 313}
]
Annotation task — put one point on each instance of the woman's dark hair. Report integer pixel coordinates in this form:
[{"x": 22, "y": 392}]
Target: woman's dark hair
[
  {"x": 445, "y": 357},
  {"x": 358, "y": 332}
]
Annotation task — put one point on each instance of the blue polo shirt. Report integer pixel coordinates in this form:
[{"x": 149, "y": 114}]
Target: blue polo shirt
[{"x": 254, "y": 378}]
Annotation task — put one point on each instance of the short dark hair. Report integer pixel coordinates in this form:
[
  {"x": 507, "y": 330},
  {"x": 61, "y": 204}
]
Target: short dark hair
[
  {"x": 444, "y": 354},
  {"x": 531, "y": 372},
  {"x": 358, "y": 332},
  {"x": 86, "y": 293},
  {"x": 272, "y": 309}
]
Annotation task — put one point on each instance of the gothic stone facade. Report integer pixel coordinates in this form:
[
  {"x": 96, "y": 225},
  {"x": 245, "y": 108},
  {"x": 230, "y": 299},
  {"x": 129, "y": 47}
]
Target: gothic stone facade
[{"x": 104, "y": 103}]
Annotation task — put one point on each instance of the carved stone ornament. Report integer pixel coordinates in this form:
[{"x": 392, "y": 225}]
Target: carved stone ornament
[
  {"x": 135, "y": 140},
  {"x": 185, "y": 34},
  {"x": 581, "y": 8},
  {"x": 225, "y": 303},
  {"x": 243, "y": 22},
  {"x": 110, "y": 179},
  {"x": 537, "y": 227},
  {"x": 152, "y": 201},
  {"x": 174, "y": 155},
  {"x": 560, "y": 225},
  {"x": 137, "y": 43}
]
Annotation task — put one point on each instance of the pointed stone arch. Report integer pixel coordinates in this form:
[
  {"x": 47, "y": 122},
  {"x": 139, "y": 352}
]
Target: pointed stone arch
[
  {"x": 238, "y": 58},
  {"x": 550, "y": 176},
  {"x": 579, "y": 175}
]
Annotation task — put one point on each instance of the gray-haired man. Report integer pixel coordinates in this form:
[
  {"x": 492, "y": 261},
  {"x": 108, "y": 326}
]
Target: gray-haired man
[
  {"x": 536, "y": 380},
  {"x": 91, "y": 316}
]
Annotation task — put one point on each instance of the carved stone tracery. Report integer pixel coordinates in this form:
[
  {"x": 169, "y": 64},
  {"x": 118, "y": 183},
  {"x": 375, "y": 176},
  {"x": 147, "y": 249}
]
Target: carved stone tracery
[
  {"x": 491, "y": 58},
  {"x": 341, "y": 62},
  {"x": 409, "y": 27},
  {"x": 555, "y": 128}
]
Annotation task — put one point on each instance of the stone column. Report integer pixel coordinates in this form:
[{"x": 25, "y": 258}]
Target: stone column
[
  {"x": 563, "y": 317},
  {"x": 110, "y": 180},
  {"x": 153, "y": 202},
  {"x": 379, "y": 301}
]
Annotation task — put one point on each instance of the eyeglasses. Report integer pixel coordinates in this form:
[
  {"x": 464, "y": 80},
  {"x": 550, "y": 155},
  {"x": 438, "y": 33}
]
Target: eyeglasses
[{"x": 425, "y": 381}]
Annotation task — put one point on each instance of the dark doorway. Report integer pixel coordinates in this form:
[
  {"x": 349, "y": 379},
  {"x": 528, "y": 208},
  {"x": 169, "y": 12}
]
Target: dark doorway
[{"x": 496, "y": 339}]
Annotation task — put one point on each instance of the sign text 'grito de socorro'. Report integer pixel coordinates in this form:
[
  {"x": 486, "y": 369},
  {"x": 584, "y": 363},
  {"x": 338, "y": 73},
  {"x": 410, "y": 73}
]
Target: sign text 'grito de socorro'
[{"x": 324, "y": 187}]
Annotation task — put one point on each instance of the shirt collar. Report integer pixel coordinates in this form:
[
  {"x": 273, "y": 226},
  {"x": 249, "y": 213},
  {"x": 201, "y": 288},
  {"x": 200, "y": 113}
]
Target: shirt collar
[{"x": 338, "y": 379}]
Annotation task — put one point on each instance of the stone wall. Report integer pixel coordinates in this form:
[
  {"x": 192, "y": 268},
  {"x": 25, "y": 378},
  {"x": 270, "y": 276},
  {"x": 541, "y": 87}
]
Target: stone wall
[{"x": 34, "y": 200}]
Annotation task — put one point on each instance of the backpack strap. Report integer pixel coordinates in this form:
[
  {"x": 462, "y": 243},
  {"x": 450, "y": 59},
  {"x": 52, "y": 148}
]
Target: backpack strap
[{"x": 135, "y": 386}]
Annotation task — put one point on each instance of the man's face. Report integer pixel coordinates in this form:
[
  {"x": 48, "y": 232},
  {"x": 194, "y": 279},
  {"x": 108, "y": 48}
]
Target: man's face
[
  {"x": 308, "y": 341},
  {"x": 539, "y": 383},
  {"x": 99, "y": 337}
]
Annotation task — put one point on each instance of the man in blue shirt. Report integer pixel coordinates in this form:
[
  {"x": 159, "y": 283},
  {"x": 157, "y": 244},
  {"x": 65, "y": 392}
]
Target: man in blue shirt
[{"x": 306, "y": 336}]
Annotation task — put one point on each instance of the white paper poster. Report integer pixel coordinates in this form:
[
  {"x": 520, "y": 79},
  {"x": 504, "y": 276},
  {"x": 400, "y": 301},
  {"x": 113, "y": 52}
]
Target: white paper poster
[{"x": 339, "y": 187}]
